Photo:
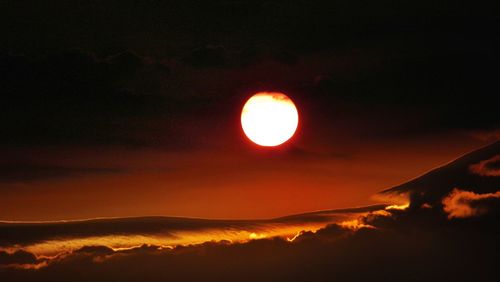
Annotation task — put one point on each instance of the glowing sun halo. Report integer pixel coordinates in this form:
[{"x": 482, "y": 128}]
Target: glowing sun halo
[{"x": 269, "y": 118}]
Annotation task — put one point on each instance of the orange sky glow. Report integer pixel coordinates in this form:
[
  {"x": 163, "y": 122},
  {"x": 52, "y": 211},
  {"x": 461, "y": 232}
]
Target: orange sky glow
[{"x": 225, "y": 184}]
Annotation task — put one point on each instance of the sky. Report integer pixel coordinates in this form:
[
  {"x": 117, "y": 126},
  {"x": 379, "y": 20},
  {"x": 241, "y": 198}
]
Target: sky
[
  {"x": 123, "y": 158},
  {"x": 128, "y": 108}
]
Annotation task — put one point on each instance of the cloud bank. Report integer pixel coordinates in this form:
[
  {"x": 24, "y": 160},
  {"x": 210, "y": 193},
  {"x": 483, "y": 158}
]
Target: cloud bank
[{"x": 398, "y": 245}]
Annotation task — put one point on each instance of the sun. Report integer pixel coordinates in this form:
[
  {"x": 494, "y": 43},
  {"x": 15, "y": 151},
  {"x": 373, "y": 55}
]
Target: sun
[{"x": 269, "y": 118}]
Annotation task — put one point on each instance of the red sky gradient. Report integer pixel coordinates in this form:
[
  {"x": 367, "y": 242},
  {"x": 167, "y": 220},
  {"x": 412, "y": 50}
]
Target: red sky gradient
[
  {"x": 226, "y": 182},
  {"x": 136, "y": 110}
]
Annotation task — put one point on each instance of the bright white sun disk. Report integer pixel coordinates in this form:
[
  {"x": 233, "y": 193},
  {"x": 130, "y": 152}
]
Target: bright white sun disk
[{"x": 269, "y": 118}]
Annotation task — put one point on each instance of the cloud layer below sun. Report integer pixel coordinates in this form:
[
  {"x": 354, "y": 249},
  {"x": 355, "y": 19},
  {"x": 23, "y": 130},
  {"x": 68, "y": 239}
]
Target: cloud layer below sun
[
  {"x": 55, "y": 238},
  {"x": 441, "y": 229}
]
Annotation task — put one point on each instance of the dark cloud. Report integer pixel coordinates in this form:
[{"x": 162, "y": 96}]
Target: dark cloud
[
  {"x": 208, "y": 56},
  {"x": 70, "y": 73},
  {"x": 433, "y": 94},
  {"x": 27, "y": 233},
  {"x": 17, "y": 173},
  {"x": 325, "y": 215},
  {"x": 75, "y": 97},
  {"x": 494, "y": 164},
  {"x": 94, "y": 250},
  {"x": 125, "y": 63},
  {"x": 18, "y": 257}
]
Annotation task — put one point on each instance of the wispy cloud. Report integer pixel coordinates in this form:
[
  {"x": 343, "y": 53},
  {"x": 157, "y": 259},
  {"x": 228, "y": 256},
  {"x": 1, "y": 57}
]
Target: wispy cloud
[
  {"x": 489, "y": 167},
  {"x": 462, "y": 204}
]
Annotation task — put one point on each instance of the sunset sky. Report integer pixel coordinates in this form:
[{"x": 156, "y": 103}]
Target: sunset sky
[
  {"x": 239, "y": 182},
  {"x": 134, "y": 109},
  {"x": 262, "y": 140}
]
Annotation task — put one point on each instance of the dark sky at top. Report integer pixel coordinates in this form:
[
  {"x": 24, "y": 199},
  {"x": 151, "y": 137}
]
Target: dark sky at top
[
  {"x": 171, "y": 76},
  {"x": 77, "y": 71}
]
